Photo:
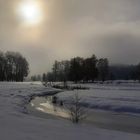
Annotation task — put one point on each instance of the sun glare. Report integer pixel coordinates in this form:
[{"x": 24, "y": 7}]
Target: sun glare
[{"x": 30, "y": 12}]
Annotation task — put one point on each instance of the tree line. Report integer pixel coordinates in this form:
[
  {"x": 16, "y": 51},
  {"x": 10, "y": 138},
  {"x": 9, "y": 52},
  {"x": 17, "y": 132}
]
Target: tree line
[
  {"x": 90, "y": 69},
  {"x": 13, "y": 66},
  {"x": 79, "y": 69}
]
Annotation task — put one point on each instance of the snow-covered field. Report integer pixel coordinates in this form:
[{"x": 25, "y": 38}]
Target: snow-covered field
[
  {"x": 111, "y": 97},
  {"x": 17, "y": 124}
]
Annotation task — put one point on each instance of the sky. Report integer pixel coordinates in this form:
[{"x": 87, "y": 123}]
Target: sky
[{"x": 62, "y": 29}]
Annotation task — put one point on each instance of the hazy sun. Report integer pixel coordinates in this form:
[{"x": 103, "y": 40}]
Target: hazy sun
[{"x": 30, "y": 12}]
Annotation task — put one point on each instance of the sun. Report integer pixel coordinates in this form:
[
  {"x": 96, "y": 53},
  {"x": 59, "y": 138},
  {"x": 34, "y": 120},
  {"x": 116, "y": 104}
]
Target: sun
[{"x": 30, "y": 12}]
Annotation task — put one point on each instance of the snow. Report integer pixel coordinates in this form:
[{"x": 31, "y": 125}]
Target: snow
[
  {"x": 118, "y": 98},
  {"x": 17, "y": 124}
]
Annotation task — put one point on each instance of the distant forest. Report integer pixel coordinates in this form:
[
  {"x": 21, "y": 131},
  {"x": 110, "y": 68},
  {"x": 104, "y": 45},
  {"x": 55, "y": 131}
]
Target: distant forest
[
  {"x": 88, "y": 70},
  {"x": 13, "y": 66}
]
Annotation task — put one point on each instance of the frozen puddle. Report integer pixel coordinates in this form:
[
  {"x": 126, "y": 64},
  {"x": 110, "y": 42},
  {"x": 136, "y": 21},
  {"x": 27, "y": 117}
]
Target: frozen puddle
[{"x": 102, "y": 119}]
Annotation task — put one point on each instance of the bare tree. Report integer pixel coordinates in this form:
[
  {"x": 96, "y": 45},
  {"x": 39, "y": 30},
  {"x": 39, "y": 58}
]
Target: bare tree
[{"x": 75, "y": 109}]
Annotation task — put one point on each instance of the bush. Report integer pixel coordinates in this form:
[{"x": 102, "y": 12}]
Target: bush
[{"x": 76, "y": 111}]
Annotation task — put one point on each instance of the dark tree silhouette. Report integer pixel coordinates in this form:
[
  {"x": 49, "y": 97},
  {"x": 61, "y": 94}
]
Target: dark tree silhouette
[
  {"x": 103, "y": 68},
  {"x": 13, "y": 67},
  {"x": 138, "y": 71},
  {"x": 2, "y": 67},
  {"x": 76, "y": 69},
  {"x": 55, "y": 70},
  {"x": 64, "y": 67},
  {"x": 44, "y": 77},
  {"x": 90, "y": 68},
  {"x": 50, "y": 77}
]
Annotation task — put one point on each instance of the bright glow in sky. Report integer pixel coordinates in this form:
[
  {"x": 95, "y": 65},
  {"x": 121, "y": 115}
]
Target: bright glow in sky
[
  {"x": 30, "y": 12},
  {"x": 48, "y": 30}
]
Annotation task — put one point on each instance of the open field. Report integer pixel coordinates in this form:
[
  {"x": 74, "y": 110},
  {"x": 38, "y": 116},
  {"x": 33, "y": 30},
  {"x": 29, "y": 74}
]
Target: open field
[{"x": 17, "y": 123}]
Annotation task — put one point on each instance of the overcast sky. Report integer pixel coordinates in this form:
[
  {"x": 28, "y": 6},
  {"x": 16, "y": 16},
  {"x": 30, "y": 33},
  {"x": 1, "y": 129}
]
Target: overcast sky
[{"x": 106, "y": 28}]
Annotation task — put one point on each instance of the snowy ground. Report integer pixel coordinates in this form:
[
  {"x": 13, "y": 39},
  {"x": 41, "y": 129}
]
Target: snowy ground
[
  {"x": 17, "y": 124},
  {"x": 118, "y": 98}
]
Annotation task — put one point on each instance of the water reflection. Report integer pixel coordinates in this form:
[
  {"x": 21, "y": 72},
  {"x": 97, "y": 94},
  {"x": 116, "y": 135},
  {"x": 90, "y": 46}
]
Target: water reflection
[{"x": 45, "y": 105}]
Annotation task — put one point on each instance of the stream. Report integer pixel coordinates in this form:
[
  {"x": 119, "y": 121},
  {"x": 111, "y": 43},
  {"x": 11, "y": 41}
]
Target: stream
[{"x": 42, "y": 107}]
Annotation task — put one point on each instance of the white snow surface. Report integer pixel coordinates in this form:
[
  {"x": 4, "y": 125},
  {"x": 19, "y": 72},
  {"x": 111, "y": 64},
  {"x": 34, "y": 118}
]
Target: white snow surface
[
  {"x": 17, "y": 124},
  {"x": 111, "y": 97}
]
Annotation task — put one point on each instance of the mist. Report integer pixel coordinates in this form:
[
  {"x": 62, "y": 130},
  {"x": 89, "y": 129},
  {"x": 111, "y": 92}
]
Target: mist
[{"x": 74, "y": 28}]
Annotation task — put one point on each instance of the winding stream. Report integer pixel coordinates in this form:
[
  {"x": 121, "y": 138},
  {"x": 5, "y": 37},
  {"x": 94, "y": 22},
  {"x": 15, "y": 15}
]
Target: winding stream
[{"x": 42, "y": 107}]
